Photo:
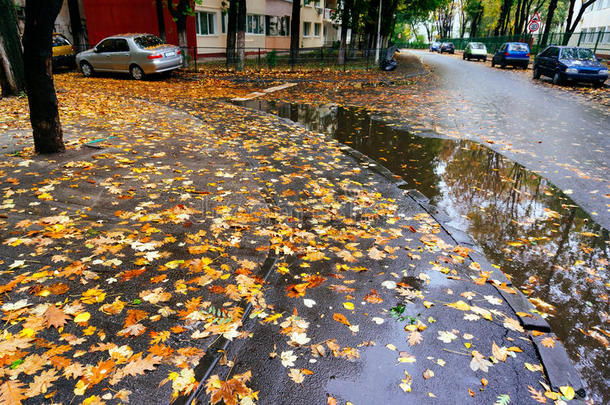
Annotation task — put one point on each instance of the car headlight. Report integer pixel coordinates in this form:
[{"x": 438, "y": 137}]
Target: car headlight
[
  {"x": 571, "y": 70},
  {"x": 603, "y": 72}
]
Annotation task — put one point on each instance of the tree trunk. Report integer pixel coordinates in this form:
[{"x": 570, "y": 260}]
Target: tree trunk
[
  {"x": 160, "y": 19},
  {"x": 348, "y": 5},
  {"x": 570, "y": 27},
  {"x": 548, "y": 23},
  {"x": 353, "y": 39},
  {"x": 37, "y": 43},
  {"x": 295, "y": 30},
  {"x": 76, "y": 26},
  {"x": 231, "y": 31},
  {"x": 504, "y": 17},
  {"x": 241, "y": 34},
  {"x": 11, "y": 62},
  {"x": 180, "y": 13}
]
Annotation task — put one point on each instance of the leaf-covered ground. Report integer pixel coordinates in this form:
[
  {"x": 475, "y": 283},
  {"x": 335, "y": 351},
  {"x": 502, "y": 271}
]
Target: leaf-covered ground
[{"x": 124, "y": 260}]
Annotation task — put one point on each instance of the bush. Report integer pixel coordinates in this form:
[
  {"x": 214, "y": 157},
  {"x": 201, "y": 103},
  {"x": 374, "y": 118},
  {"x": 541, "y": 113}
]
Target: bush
[{"x": 271, "y": 59}]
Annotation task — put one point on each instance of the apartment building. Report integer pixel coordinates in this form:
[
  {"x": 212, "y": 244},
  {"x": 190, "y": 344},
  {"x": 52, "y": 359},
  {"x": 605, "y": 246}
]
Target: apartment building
[
  {"x": 267, "y": 24},
  {"x": 593, "y": 29}
]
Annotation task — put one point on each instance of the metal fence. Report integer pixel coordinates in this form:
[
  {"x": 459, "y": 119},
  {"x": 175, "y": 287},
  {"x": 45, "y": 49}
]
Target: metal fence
[
  {"x": 598, "y": 41},
  {"x": 280, "y": 58}
]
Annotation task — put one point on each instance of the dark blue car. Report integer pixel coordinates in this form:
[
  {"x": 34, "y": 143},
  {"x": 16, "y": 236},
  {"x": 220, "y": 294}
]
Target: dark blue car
[
  {"x": 515, "y": 54},
  {"x": 435, "y": 47},
  {"x": 563, "y": 63}
]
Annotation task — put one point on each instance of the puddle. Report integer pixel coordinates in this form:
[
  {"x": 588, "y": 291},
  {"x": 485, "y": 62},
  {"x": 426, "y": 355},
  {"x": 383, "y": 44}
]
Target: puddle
[{"x": 552, "y": 249}]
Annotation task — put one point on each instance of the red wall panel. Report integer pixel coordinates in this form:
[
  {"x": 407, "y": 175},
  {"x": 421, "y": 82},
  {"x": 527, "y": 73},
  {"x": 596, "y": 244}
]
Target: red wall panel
[{"x": 111, "y": 17}]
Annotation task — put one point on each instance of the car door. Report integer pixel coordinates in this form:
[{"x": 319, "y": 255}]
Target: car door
[
  {"x": 541, "y": 60},
  {"x": 499, "y": 52},
  {"x": 100, "y": 60},
  {"x": 551, "y": 60},
  {"x": 119, "y": 57}
]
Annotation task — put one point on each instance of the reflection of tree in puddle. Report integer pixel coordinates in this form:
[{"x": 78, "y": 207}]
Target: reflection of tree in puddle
[{"x": 549, "y": 246}]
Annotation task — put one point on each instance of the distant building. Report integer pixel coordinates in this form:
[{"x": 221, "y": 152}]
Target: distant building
[{"x": 267, "y": 23}]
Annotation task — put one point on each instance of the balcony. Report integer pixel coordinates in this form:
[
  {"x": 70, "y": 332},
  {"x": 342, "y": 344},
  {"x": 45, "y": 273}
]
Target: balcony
[{"x": 327, "y": 14}]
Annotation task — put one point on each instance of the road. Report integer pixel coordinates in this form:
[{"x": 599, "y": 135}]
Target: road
[{"x": 548, "y": 129}]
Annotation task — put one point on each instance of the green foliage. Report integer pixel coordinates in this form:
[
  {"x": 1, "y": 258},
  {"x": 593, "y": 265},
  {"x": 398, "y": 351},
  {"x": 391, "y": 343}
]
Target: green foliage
[{"x": 271, "y": 59}]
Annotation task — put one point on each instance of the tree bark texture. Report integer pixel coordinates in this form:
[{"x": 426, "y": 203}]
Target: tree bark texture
[
  {"x": 548, "y": 23},
  {"x": 37, "y": 43},
  {"x": 78, "y": 34},
  {"x": 179, "y": 13},
  {"x": 160, "y": 19},
  {"x": 348, "y": 6},
  {"x": 11, "y": 61},
  {"x": 241, "y": 34},
  {"x": 231, "y": 31},
  {"x": 295, "y": 30}
]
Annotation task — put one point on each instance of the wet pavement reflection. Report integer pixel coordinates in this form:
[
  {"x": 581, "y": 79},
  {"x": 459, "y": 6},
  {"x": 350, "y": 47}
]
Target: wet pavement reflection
[{"x": 551, "y": 248}]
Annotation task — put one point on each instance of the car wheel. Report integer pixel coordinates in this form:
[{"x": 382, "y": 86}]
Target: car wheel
[
  {"x": 557, "y": 79},
  {"x": 485, "y": 59},
  {"x": 87, "y": 69},
  {"x": 493, "y": 63},
  {"x": 463, "y": 56},
  {"x": 536, "y": 73},
  {"x": 136, "y": 72},
  {"x": 502, "y": 65}
]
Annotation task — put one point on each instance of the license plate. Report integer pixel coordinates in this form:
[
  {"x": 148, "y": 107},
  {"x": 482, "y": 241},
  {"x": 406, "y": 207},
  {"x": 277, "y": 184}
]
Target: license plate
[{"x": 168, "y": 54}]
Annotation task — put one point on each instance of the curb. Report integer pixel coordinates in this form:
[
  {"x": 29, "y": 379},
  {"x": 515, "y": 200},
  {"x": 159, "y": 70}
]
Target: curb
[{"x": 557, "y": 365}]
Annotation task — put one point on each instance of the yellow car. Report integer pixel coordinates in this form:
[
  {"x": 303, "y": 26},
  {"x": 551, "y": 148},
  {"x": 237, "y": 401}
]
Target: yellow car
[{"x": 63, "y": 52}]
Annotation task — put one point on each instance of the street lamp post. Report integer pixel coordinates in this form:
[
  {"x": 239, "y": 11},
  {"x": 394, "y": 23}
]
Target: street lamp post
[{"x": 378, "y": 34}]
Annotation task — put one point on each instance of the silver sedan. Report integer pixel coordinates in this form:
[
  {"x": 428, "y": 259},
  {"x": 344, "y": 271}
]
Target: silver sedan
[{"x": 136, "y": 54}]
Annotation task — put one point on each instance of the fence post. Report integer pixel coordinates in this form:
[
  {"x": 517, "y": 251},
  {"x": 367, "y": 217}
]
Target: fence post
[
  {"x": 195, "y": 57},
  {"x": 599, "y": 36}
]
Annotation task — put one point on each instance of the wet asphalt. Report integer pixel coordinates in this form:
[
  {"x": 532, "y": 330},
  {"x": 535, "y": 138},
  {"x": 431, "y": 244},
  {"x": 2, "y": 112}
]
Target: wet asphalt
[{"x": 548, "y": 129}]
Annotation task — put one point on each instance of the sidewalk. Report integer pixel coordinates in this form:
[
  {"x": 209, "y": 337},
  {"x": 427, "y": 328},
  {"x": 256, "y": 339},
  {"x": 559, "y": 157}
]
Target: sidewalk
[{"x": 126, "y": 268}]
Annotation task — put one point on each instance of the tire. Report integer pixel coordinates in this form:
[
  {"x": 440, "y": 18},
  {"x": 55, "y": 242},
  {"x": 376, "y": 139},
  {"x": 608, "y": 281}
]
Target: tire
[
  {"x": 536, "y": 73},
  {"x": 525, "y": 66},
  {"x": 463, "y": 56},
  {"x": 485, "y": 59},
  {"x": 136, "y": 72},
  {"x": 598, "y": 84},
  {"x": 502, "y": 65},
  {"x": 86, "y": 68},
  {"x": 493, "y": 63},
  {"x": 557, "y": 79}
]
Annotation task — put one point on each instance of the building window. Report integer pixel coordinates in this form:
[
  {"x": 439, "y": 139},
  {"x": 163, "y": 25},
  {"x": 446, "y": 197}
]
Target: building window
[
  {"x": 255, "y": 24},
  {"x": 223, "y": 22},
  {"x": 206, "y": 24},
  {"x": 607, "y": 35},
  {"x": 277, "y": 26},
  {"x": 306, "y": 29},
  {"x": 316, "y": 29}
]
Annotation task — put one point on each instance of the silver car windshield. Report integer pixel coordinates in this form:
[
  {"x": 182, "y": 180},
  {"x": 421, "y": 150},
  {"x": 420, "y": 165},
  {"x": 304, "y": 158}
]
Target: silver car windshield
[
  {"x": 148, "y": 41},
  {"x": 476, "y": 45}
]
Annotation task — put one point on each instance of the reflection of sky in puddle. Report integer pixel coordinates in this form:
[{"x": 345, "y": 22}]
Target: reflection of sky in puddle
[{"x": 553, "y": 250}]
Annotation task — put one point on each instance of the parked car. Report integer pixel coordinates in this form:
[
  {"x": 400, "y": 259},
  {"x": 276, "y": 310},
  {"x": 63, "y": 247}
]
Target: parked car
[
  {"x": 447, "y": 47},
  {"x": 63, "y": 52},
  {"x": 570, "y": 63},
  {"x": 475, "y": 50},
  {"x": 136, "y": 54},
  {"x": 435, "y": 47},
  {"x": 516, "y": 54}
]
